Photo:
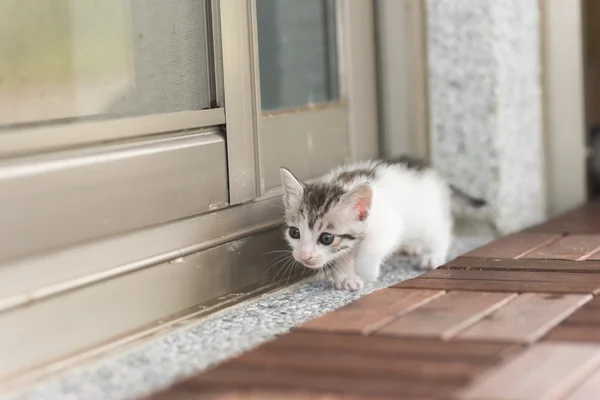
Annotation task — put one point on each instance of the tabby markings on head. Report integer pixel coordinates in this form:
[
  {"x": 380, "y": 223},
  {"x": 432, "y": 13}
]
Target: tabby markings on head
[{"x": 318, "y": 199}]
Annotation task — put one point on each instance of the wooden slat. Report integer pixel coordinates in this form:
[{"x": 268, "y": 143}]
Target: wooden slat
[
  {"x": 585, "y": 220},
  {"x": 269, "y": 395},
  {"x": 369, "y": 366},
  {"x": 224, "y": 393},
  {"x": 500, "y": 286},
  {"x": 595, "y": 256},
  {"x": 353, "y": 365},
  {"x": 585, "y": 317},
  {"x": 372, "y": 311},
  {"x": 512, "y": 246},
  {"x": 588, "y": 390},
  {"x": 526, "y": 318},
  {"x": 593, "y": 303},
  {"x": 545, "y": 371},
  {"x": 584, "y": 323},
  {"x": 528, "y": 276},
  {"x": 233, "y": 377},
  {"x": 174, "y": 394},
  {"x": 473, "y": 351},
  {"x": 523, "y": 264},
  {"x": 447, "y": 315},
  {"x": 575, "y": 333},
  {"x": 572, "y": 247},
  {"x": 288, "y": 395}
]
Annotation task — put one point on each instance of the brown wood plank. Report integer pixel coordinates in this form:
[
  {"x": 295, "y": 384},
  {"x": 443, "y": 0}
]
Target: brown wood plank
[
  {"x": 545, "y": 371},
  {"x": 224, "y": 393},
  {"x": 416, "y": 348},
  {"x": 279, "y": 395},
  {"x": 587, "y": 390},
  {"x": 353, "y": 365},
  {"x": 572, "y": 247},
  {"x": 585, "y": 220},
  {"x": 584, "y": 316},
  {"x": 233, "y": 377},
  {"x": 231, "y": 394},
  {"x": 513, "y": 246},
  {"x": 595, "y": 256},
  {"x": 500, "y": 286},
  {"x": 574, "y": 333},
  {"x": 271, "y": 395},
  {"x": 523, "y": 264},
  {"x": 493, "y": 275},
  {"x": 372, "y": 311},
  {"x": 581, "y": 326},
  {"x": 525, "y": 319},
  {"x": 322, "y": 362},
  {"x": 447, "y": 315},
  {"x": 174, "y": 394},
  {"x": 593, "y": 303}
]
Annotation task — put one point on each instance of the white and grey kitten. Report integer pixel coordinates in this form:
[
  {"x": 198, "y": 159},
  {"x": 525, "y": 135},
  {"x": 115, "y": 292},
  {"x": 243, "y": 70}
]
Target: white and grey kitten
[{"x": 357, "y": 215}]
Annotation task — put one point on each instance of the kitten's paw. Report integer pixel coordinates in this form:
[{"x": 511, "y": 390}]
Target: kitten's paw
[
  {"x": 349, "y": 283},
  {"x": 429, "y": 262}
]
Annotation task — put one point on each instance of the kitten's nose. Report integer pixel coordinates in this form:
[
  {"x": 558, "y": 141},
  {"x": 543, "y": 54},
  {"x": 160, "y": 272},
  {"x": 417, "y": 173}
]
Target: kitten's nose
[{"x": 305, "y": 256}]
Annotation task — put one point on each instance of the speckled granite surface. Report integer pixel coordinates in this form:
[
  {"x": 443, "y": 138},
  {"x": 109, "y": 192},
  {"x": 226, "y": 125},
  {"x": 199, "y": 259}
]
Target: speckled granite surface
[
  {"x": 159, "y": 362},
  {"x": 485, "y": 103}
]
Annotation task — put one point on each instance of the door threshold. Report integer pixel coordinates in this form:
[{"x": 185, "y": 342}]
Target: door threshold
[{"x": 145, "y": 334}]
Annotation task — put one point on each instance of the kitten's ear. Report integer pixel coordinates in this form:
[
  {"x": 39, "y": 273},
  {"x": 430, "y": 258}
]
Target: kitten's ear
[
  {"x": 292, "y": 188},
  {"x": 360, "y": 199}
]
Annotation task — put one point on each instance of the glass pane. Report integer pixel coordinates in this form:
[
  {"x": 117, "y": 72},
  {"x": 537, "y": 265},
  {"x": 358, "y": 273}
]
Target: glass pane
[
  {"x": 297, "y": 52},
  {"x": 76, "y": 59}
]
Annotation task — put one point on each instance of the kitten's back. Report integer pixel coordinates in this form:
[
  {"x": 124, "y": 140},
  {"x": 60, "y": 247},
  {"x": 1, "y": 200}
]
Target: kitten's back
[
  {"x": 370, "y": 171},
  {"x": 405, "y": 187}
]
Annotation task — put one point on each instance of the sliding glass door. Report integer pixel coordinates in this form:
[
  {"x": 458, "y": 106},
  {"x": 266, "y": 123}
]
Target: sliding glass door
[
  {"x": 140, "y": 143},
  {"x": 303, "y": 113}
]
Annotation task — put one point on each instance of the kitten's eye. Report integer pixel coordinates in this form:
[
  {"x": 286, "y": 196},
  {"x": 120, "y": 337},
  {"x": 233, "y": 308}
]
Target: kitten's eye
[
  {"x": 294, "y": 232},
  {"x": 326, "y": 238}
]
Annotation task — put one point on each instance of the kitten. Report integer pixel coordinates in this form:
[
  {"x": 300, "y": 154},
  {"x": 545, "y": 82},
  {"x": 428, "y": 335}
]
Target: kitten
[{"x": 354, "y": 217}]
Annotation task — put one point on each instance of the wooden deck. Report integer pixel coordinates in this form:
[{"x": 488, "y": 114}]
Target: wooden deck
[{"x": 517, "y": 320}]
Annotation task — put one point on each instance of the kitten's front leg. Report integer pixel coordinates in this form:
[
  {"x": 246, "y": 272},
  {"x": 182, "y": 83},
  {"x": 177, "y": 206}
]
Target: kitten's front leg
[
  {"x": 344, "y": 275},
  {"x": 411, "y": 250},
  {"x": 368, "y": 261},
  {"x": 436, "y": 251}
]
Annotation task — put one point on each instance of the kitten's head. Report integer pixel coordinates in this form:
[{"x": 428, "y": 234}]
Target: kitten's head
[{"x": 324, "y": 221}]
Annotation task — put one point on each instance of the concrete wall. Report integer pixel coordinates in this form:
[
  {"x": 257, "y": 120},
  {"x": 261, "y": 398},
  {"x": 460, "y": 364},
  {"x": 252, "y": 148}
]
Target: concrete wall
[{"x": 485, "y": 104}]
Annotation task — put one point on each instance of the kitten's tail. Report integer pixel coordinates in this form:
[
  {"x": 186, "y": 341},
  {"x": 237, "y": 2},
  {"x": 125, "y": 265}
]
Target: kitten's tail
[{"x": 465, "y": 198}]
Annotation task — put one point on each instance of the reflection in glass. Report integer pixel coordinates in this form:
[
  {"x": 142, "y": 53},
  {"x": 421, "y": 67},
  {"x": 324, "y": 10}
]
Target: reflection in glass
[
  {"x": 74, "y": 59},
  {"x": 297, "y": 52}
]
